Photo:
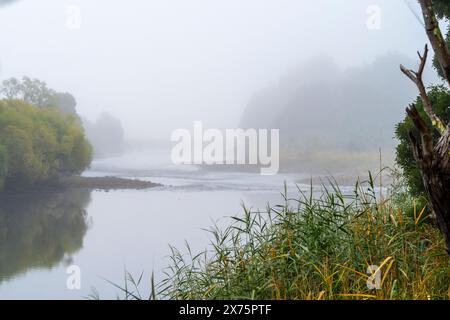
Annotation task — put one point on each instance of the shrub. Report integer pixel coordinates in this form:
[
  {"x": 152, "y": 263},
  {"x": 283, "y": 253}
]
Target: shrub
[{"x": 39, "y": 144}]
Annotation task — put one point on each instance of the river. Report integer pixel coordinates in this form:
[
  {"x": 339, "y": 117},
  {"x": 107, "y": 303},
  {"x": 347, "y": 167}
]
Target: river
[{"x": 105, "y": 233}]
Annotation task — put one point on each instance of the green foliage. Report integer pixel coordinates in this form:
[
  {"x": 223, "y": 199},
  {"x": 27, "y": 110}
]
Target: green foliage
[
  {"x": 41, "y": 133},
  {"x": 436, "y": 64},
  {"x": 318, "y": 245},
  {"x": 39, "y": 144},
  {"x": 316, "y": 248},
  {"x": 32, "y": 91},
  {"x": 440, "y": 99},
  {"x": 442, "y": 8},
  {"x": 36, "y": 92},
  {"x": 3, "y": 166},
  {"x": 64, "y": 102}
]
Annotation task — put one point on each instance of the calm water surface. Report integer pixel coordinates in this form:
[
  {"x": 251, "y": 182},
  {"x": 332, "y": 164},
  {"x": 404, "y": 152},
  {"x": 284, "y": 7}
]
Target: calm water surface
[{"x": 105, "y": 233}]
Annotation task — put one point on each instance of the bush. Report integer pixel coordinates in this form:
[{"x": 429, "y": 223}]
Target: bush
[{"x": 39, "y": 144}]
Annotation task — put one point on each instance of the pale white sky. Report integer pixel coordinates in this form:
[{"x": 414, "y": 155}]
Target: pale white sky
[{"x": 161, "y": 64}]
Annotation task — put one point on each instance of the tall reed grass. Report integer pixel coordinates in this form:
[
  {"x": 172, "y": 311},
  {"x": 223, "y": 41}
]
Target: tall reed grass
[{"x": 318, "y": 247}]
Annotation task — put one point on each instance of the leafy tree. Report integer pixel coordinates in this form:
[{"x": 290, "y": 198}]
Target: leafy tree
[
  {"x": 3, "y": 166},
  {"x": 11, "y": 88},
  {"x": 64, "y": 102},
  {"x": 39, "y": 144},
  {"x": 106, "y": 135},
  {"x": 32, "y": 91},
  {"x": 436, "y": 64},
  {"x": 440, "y": 99},
  {"x": 432, "y": 157},
  {"x": 442, "y": 9},
  {"x": 36, "y": 92},
  {"x": 24, "y": 164},
  {"x": 41, "y": 135}
]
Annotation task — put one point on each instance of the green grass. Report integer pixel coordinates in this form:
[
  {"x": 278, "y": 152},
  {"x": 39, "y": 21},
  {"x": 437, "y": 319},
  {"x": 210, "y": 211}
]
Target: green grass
[{"x": 316, "y": 248}]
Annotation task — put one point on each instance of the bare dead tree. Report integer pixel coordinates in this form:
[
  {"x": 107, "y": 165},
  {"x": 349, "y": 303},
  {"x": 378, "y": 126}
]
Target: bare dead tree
[{"x": 433, "y": 159}]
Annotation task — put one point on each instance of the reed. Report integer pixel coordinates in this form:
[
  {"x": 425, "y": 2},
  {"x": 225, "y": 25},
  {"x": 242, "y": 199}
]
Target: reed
[{"x": 317, "y": 247}]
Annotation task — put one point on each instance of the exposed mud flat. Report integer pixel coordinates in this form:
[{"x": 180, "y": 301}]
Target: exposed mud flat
[{"x": 105, "y": 183}]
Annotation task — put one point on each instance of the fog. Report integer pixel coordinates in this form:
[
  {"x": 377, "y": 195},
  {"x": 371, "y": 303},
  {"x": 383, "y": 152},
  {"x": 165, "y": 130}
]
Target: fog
[
  {"x": 160, "y": 65},
  {"x": 96, "y": 178}
]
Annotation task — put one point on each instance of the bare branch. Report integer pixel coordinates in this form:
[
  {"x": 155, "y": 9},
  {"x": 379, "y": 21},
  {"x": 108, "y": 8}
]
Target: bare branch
[
  {"x": 416, "y": 77},
  {"x": 409, "y": 73},
  {"x": 423, "y": 61}
]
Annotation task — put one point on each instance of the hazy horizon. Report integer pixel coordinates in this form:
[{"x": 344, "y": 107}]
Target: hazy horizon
[{"x": 160, "y": 65}]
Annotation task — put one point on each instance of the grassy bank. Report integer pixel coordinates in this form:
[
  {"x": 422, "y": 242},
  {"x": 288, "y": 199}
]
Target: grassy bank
[{"x": 317, "y": 248}]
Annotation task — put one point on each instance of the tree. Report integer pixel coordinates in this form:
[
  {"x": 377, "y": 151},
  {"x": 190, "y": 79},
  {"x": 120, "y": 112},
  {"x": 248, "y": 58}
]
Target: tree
[
  {"x": 11, "y": 88},
  {"x": 440, "y": 99},
  {"x": 36, "y": 92},
  {"x": 442, "y": 8},
  {"x": 39, "y": 144},
  {"x": 3, "y": 166},
  {"x": 32, "y": 91},
  {"x": 64, "y": 102},
  {"x": 439, "y": 96},
  {"x": 432, "y": 157},
  {"x": 106, "y": 135}
]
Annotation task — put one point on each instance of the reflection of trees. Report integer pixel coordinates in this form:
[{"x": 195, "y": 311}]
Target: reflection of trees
[{"x": 40, "y": 230}]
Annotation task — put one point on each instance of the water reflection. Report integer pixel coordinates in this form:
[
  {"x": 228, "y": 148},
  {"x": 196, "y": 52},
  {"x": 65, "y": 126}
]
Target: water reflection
[{"x": 40, "y": 230}]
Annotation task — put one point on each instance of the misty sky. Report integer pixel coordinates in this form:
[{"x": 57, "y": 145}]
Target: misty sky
[{"x": 160, "y": 64}]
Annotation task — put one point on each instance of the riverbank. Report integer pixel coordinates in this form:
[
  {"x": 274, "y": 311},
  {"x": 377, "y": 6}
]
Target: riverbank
[
  {"x": 327, "y": 247},
  {"x": 107, "y": 183},
  {"x": 104, "y": 183}
]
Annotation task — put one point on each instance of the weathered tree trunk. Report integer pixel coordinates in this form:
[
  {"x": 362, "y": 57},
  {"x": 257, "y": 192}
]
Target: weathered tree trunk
[
  {"x": 435, "y": 36},
  {"x": 434, "y": 166},
  {"x": 433, "y": 159}
]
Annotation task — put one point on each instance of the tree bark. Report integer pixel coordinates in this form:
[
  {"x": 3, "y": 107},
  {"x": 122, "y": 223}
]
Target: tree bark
[
  {"x": 434, "y": 34},
  {"x": 433, "y": 162},
  {"x": 433, "y": 159}
]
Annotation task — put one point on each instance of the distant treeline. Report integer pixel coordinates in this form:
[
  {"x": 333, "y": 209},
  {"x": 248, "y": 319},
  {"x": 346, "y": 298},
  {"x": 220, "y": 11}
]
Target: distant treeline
[
  {"x": 106, "y": 135},
  {"x": 320, "y": 107}
]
